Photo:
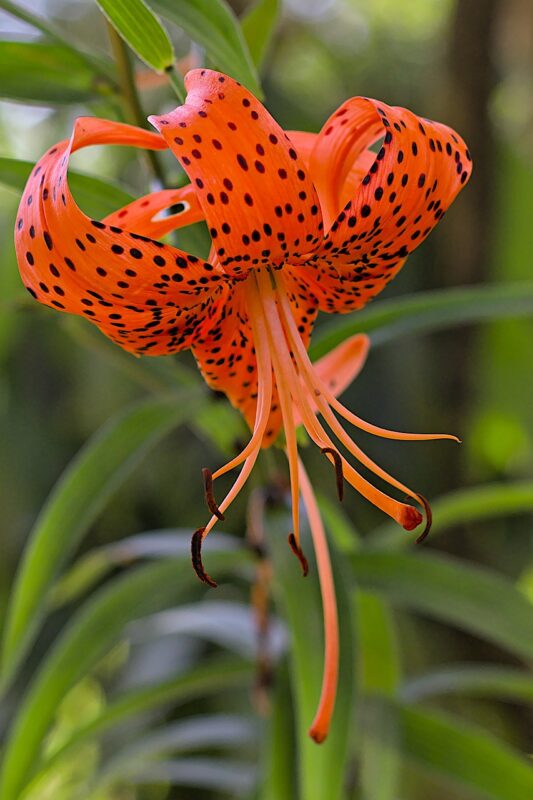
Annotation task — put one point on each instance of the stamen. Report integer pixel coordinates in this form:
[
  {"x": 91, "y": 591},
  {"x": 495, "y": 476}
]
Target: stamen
[
  {"x": 337, "y": 463},
  {"x": 209, "y": 494},
  {"x": 429, "y": 519},
  {"x": 320, "y": 725},
  {"x": 196, "y": 556},
  {"x": 299, "y": 553}
]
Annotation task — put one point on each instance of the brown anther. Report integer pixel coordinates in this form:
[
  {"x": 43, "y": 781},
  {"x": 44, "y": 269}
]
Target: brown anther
[
  {"x": 337, "y": 463},
  {"x": 299, "y": 553},
  {"x": 429, "y": 519},
  {"x": 196, "y": 556},
  {"x": 210, "y": 495}
]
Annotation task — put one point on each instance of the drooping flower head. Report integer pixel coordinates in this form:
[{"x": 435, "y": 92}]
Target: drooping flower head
[{"x": 299, "y": 223}]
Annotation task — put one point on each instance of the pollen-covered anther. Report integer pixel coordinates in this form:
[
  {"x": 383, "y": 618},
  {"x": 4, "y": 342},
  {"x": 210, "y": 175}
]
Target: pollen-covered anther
[
  {"x": 299, "y": 553},
  {"x": 411, "y": 518},
  {"x": 337, "y": 463},
  {"x": 210, "y": 495},
  {"x": 429, "y": 519},
  {"x": 196, "y": 556}
]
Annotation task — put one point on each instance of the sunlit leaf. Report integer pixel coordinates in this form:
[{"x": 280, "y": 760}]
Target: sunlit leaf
[
  {"x": 86, "y": 485},
  {"x": 215, "y": 27},
  {"x": 47, "y": 74},
  {"x": 258, "y": 26},
  {"x": 142, "y": 30}
]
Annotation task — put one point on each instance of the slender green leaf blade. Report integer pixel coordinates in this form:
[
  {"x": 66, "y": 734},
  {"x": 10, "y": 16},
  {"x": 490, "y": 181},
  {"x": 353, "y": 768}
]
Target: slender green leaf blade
[
  {"x": 258, "y": 26},
  {"x": 96, "y": 197},
  {"x": 472, "y": 598},
  {"x": 427, "y": 312},
  {"x": 379, "y": 675},
  {"x": 135, "y": 21},
  {"x": 47, "y": 74},
  {"x": 215, "y": 27},
  {"x": 321, "y": 768},
  {"x": 219, "y": 675},
  {"x": 86, "y": 485},
  {"x": 462, "y": 507},
  {"x": 93, "y": 630},
  {"x": 478, "y": 680},
  {"x": 465, "y": 755}
]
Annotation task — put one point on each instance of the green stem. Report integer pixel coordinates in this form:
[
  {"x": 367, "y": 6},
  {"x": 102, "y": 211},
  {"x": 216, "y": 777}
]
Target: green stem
[
  {"x": 176, "y": 81},
  {"x": 132, "y": 105}
]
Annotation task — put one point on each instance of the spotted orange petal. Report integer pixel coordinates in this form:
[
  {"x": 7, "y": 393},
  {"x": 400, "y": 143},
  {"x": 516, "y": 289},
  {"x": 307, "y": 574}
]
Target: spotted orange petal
[
  {"x": 159, "y": 213},
  {"x": 415, "y": 176},
  {"x": 258, "y": 200},
  {"x": 146, "y": 296}
]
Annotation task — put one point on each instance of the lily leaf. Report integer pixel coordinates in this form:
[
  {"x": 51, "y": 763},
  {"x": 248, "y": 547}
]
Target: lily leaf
[
  {"x": 258, "y": 26},
  {"x": 214, "y": 26},
  {"x": 86, "y": 485},
  {"x": 142, "y": 30},
  {"x": 426, "y": 312},
  {"x": 47, "y": 74},
  {"x": 471, "y": 598}
]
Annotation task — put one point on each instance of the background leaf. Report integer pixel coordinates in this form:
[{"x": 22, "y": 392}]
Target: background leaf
[
  {"x": 141, "y": 29},
  {"x": 81, "y": 492},
  {"x": 214, "y": 26},
  {"x": 258, "y": 26},
  {"x": 47, "y": 74}
]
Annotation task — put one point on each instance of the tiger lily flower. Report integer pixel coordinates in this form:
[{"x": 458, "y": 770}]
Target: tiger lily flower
[{"x": 299, "y": 223}]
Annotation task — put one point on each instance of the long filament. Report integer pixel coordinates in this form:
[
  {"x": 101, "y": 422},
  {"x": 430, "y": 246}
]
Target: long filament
[{"x": 320, "y": 725}]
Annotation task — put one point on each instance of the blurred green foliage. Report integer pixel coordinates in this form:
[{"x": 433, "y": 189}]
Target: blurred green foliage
[{"x": 122, "y": 678}]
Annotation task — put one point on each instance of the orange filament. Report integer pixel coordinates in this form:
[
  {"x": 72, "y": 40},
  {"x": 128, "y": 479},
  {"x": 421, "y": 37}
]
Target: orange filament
[{"x": 320, "y": 725}]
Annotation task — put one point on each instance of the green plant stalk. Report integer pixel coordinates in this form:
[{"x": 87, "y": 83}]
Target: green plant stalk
[
  {"x": 176, "y": 81},
  {"x": 133, "y": 110}
]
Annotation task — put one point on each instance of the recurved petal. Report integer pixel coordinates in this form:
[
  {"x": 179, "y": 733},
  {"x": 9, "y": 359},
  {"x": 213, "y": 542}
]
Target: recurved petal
[
  {"x": 258, "y": 200},
  {"x": 159, "y": 213},
  {"x": 146, "y": 296},
  {"x": 418, "y": 171}
]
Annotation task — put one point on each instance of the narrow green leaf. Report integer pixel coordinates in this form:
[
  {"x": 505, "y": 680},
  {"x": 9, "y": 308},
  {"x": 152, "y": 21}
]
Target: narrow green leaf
[
  {"x": 86, "y": 485},
  {"x": 100, "y": 66},
  {"x": 465, "y": 506},
  {"x": 96, "y": 197},
  {"x": 479, "y": 680},
  {"x": 213, "y": 731},
  {"x": 379, "y": 675},
  {"x": 321, "y": 768},
  {"x": 474, "y": 599},
  {"x": 88, "y": 636},
  {"x": 427, "y": 312},
  {"x": 141, "y": 30},
  {"x": 218, "y": 676},
  {"x": 465, "y": 755},
  {"x": 215, "y": 27},
  {"x": 278, "y": 781},
  {"x": 258, "y": 26},
  {"x": 47, "y": 74}
]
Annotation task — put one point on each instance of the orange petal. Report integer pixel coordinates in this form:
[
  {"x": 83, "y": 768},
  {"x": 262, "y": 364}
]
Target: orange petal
[
  {"x": 144, "y": 295},
  {"x": 417, "y": 173},
  {"x": 146, "y": 214},
  {"x": 259, "y": 203}
]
